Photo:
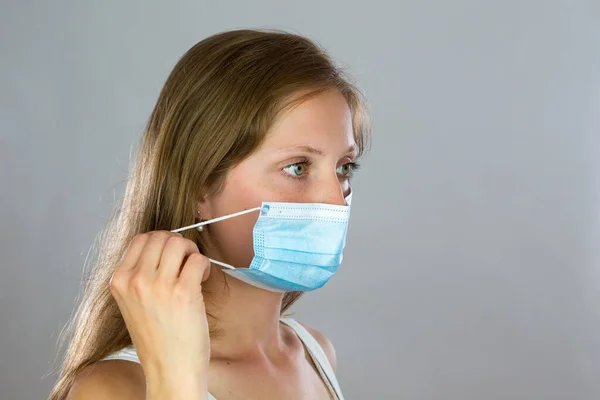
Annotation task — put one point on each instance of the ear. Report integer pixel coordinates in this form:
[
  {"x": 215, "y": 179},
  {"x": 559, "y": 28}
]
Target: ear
[
  {"x": 203, "y": 210},
  {"x": 204, "y": 204},
  {"x": 202, "y": 214}
]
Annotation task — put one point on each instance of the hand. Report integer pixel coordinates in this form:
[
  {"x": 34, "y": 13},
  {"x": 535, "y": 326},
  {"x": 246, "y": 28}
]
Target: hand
[{"x": 158, "y": 288}]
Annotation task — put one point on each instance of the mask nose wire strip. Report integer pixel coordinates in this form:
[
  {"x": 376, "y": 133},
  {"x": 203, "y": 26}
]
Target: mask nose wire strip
[{"x": 210, "y": 221}]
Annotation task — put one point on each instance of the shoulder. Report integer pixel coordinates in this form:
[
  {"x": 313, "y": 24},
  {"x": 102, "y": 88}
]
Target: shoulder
[
  {"x": 325, "y": 343},
  {"x": 112, "y": 379}
]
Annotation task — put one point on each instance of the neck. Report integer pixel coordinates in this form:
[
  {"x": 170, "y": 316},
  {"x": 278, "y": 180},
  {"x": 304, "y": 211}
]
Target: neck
[{"x": 245, "y": 319}]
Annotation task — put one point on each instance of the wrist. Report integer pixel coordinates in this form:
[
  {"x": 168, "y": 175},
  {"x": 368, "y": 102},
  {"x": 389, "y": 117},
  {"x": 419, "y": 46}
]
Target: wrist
[{"x": 176, "y": 386}]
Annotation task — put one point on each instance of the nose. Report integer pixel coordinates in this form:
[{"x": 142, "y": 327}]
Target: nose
[{"x": 332, "y": 192}]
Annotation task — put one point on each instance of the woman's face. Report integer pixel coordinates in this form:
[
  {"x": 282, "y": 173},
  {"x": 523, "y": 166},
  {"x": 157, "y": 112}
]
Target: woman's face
[{"x": 307, "y": 157}]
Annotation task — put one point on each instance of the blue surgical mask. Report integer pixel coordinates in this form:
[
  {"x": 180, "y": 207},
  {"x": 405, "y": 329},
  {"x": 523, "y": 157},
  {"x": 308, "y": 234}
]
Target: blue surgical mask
[{"x": 297, "y": 246}]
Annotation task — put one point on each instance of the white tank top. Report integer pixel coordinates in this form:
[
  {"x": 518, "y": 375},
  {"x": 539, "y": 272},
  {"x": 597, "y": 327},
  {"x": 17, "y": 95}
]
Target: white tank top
[{"x": 310, "y": 343}]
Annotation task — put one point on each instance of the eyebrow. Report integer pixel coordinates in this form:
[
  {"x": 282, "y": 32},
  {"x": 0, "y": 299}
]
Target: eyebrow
[{"x": 313, "y": 150}]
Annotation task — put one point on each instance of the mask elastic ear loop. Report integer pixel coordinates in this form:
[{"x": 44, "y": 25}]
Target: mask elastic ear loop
[
  {"x": 222, "y": 264},
  {"x": 210, "y": 221}
]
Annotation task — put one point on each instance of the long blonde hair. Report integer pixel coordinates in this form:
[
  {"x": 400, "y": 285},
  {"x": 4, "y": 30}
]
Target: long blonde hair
[{"x": 213, "y": 111}]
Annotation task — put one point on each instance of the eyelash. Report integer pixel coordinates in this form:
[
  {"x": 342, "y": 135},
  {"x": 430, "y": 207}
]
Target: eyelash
[{"x": 354, "y": 166}]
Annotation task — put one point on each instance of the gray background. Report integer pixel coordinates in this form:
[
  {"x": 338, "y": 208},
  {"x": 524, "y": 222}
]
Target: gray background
[{"x": 473, "y": 266}]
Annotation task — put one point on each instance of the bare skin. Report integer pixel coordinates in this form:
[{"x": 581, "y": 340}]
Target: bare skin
[{"x": 306, "y": 157}]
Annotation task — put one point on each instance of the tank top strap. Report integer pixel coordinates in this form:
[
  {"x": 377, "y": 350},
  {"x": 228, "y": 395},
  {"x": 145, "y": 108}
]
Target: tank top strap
[
  {"x": 129, "y": 354},
  {"x": 318, "y": 356}
]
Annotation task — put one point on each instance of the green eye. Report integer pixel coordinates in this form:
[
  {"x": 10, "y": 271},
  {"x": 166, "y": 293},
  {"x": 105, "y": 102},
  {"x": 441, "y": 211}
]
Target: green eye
[
  {"x": 346, "y": 169},
  {"x": 296, "y": 170}
]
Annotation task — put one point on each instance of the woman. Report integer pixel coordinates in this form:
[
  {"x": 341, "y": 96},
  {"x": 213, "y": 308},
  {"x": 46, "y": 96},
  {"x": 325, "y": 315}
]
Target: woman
[{"x": 260, "y": 131}]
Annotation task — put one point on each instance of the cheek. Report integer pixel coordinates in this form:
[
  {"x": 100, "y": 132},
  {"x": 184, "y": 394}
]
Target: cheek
[{"x": 233, "y": 239}]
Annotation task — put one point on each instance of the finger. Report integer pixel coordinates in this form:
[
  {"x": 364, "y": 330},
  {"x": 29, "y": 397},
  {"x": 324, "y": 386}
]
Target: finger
[
  {"x": 152, "y": 251},
  {"x": 176, "y": 251},
  {"x": 134, "y": 251},
  {"x": 196, "y": 270}
]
